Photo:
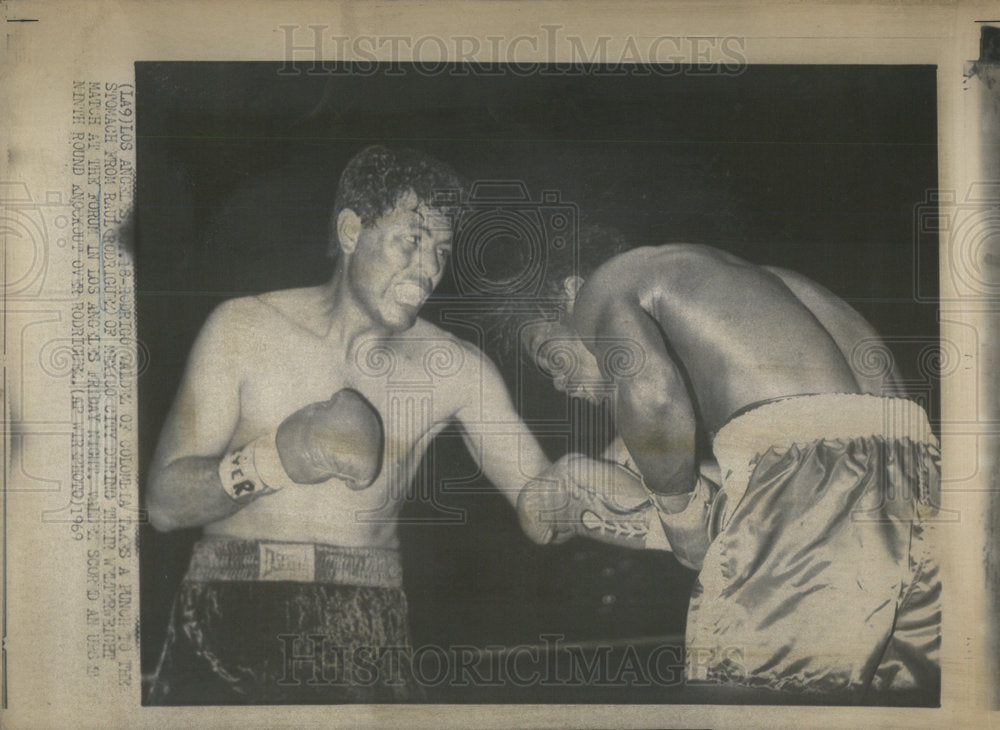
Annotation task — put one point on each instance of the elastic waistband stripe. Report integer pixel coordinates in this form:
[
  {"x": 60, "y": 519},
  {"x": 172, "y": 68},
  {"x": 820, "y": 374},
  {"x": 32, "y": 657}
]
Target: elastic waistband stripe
[
  {"x": 808, "y": 418},
  {"x": 228, "y": 559}
]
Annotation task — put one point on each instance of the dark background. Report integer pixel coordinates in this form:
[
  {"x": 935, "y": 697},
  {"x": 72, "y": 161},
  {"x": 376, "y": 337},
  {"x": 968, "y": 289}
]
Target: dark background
[{"x": 813, "y": 168}]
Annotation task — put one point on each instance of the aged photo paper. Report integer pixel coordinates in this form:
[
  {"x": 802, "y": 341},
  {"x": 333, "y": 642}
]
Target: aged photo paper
[{"x": 353, "y": 355}]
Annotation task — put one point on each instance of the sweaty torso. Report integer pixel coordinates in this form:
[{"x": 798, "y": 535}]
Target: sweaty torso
[
  {"x": 293, "y": 366},
  {"x": 737, "y": 332}
]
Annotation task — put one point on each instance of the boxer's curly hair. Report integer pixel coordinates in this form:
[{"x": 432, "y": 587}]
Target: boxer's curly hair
[
  {"x": 377, "y": 177},
  {"x": 596, "y": 244}
]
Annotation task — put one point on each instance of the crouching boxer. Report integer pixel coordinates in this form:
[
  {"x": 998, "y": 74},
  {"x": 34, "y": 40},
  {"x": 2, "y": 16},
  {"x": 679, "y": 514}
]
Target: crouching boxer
[
  {"x": 815, "y": 573},
  {"x": 294, "y": 593}
]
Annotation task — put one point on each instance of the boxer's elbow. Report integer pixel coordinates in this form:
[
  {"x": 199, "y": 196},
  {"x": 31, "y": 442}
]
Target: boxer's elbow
[
  {"x": 161, "y": 517},
  {"x": 164, "y": 512},
  {"x": 163, "y": 523},
  {"x": 646, "y": 402},
  {"x": 161, "y": 520}
]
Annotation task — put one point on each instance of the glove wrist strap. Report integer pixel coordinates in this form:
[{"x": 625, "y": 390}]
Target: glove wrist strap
[
  {"x": 253, "y": 470},
  {"x": 671, "y": 504},
  {"x": 689, "y": 529}
]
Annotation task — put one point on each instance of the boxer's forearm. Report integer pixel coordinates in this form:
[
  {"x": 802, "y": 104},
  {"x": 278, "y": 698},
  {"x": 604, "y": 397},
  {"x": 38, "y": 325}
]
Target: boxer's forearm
[
  {"x": 654, "y": 413},
  {"x": 189, "y": 493},
  {"x": 337, "y": 442},
  {"x": 661, "y": 442}
]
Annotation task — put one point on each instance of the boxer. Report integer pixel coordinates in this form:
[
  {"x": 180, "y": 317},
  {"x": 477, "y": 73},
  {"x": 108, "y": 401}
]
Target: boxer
[
  {"x": 292, "y": 445},
  {"x": 814, "y": 570}
]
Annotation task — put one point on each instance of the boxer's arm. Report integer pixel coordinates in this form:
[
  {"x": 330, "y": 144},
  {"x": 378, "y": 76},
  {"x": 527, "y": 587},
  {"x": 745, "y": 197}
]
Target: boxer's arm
[
  {"x": 598, "y": 499},
  {"x": 553, "y": 501},
  {"x": 655, "y": 416},
  {"x": 185, "y": 489},
  {"x": 503, "y": 447}
]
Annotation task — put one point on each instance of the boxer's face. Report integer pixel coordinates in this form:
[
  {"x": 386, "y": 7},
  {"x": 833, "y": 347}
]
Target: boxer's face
[
  {"x": 398, "y": 261},
  {"x": 561, "y": 355}
]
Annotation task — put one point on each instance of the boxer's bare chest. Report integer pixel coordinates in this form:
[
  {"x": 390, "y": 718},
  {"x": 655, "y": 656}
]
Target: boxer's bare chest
[
  {"x": 291, "y": 368},
  {"x": 295, "y": 369}
]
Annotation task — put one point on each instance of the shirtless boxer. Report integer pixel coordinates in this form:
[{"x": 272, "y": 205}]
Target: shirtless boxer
[
  {"x": 297, "y": 429},
  {"x": 814, "y": 571}
]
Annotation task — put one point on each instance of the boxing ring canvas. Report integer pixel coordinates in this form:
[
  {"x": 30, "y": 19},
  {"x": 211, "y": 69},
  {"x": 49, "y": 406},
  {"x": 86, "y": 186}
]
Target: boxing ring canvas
[{"x": 810, "y": 168}]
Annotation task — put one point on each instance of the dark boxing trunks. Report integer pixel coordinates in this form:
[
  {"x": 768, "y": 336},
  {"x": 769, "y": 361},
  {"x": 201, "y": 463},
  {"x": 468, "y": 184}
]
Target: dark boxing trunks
[
  {"x": 286, "y": 623},
  {"x": 820, "y": 577}
]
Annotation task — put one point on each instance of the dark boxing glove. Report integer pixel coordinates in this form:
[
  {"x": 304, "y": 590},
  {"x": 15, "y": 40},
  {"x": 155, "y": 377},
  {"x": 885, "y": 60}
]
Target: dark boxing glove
[{"x": 341, "y": 438}]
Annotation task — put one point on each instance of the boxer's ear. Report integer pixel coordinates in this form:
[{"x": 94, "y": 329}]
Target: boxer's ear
[
  {"x": 348, "y": 230},
  {"x": 571, "y": 286}
]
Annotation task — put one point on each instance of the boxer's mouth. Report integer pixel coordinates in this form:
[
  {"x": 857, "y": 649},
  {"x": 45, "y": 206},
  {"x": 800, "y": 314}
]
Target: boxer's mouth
[{"x": 411, "y": 293}]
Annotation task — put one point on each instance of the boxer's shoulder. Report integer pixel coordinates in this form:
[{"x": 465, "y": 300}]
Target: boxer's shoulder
[
  {"x": 301, "y": 304},
  {"x": 248, "y": 309},
  {"x": 254, "y": 319},
  {"x": 271, "y": 312},
  {"x": 680, "y": 274},
  {"x": 641, "y": 258},
  {"x": 229, "y": 320},
  {"x": 645, "y": 267}
]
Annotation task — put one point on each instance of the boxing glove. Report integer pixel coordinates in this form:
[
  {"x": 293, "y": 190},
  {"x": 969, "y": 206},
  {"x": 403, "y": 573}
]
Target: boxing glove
[
  {"x": 339, "y": 438},
  {"x": 597, "y": 499}
]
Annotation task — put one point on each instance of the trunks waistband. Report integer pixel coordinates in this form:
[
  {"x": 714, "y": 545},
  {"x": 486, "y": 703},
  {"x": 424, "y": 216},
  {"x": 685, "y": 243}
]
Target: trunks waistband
[
  {"x": 767, "y": 401},
  {"x": 231, "y": 559},
  {"x": 807, "y": 418},
  {"x": 782, "y": 422}
]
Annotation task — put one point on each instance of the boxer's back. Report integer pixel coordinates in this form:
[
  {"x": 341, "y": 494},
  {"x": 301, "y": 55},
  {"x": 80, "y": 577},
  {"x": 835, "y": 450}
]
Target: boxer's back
[
  {"x": 738, "y": 333},
  {"x": 862, "y": 347}
]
